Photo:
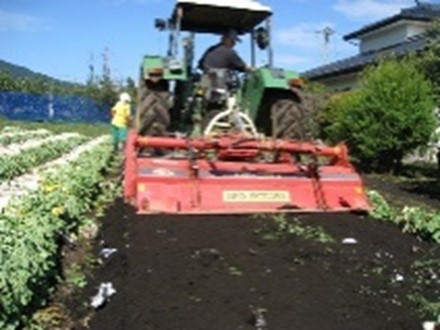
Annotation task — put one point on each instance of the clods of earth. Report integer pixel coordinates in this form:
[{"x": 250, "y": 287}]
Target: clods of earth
[{"x": 307, "y": 272}]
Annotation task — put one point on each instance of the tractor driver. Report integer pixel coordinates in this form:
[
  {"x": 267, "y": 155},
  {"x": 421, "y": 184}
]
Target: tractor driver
[{"x": 223, "y": 55}]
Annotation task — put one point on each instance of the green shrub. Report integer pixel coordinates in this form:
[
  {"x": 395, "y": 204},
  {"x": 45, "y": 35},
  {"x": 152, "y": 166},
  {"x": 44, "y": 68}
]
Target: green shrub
[
  {"x": 429, "y": 60},
  {"x": 389, "y": 116}
]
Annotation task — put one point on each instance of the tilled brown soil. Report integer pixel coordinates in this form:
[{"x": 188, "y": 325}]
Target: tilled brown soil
[
  {"x": 423, "y": 193},
  {"x": 214, "y": 273}
]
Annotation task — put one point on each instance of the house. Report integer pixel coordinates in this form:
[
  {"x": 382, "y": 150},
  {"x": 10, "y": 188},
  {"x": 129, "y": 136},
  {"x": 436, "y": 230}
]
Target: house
[{"x": 400, "y": 34}]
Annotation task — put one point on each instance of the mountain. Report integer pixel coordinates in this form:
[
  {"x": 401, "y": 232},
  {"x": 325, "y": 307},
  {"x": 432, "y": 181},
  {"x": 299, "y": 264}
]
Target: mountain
[{"x": 18, "y": 71}]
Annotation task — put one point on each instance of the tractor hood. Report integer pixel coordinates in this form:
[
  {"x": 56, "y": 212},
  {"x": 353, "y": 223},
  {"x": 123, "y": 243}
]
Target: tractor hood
[{"x": 217, "y": 16}]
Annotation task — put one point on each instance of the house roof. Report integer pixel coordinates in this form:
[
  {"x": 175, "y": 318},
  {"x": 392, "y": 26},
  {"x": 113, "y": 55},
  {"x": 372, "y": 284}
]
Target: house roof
[
  {"x": 356, "y": 63},
  {"x": 423, "y": 12}
]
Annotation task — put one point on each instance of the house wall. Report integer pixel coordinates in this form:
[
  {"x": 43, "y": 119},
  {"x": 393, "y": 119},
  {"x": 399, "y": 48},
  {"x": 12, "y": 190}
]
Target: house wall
[
  {"x": 391, "y": 35},
  {"x": 417, "y": 28}
]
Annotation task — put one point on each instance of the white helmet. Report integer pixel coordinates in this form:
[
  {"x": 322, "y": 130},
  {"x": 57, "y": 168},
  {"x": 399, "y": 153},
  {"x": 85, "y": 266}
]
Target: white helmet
[{"x": 125, "y": 97}]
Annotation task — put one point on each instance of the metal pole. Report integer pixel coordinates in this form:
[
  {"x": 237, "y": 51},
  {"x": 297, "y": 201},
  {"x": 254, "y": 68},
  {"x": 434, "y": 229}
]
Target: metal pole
[
  {"x": 269, "y": 48},
  {"x": 190, "y": 50},
  {"x": 170, "y": 44},
  {"x": 177, "y": 31},
  {"x": 253, "y": 58}
]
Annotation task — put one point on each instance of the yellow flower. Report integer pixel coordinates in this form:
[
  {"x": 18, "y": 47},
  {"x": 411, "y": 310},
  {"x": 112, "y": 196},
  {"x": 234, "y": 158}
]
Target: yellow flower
[
  {"x": 49, "y": 188},
  {"x": 57, "y": 211}
]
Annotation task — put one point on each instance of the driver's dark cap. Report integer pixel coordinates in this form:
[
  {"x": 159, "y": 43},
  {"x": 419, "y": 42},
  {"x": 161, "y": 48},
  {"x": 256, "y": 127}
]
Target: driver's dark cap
[{"x": 232, "y": 34}]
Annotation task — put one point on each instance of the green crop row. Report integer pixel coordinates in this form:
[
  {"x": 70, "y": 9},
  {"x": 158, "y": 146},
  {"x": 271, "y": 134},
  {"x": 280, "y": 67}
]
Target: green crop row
[
  {"x": 17, "y": 164},
  {"x": 413, "y": 220},
  {"x": 30, "y": 235},
  {"x": 19, "y": 137},
  {"x": 10, "y": 129}
]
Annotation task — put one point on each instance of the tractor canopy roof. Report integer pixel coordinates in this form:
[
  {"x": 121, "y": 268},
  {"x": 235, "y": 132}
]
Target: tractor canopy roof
[{"x": 218, "y": 16}]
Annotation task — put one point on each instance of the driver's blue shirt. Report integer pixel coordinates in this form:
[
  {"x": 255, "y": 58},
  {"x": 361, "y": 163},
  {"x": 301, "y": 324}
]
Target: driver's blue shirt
[{"x": 221, "y": 57}]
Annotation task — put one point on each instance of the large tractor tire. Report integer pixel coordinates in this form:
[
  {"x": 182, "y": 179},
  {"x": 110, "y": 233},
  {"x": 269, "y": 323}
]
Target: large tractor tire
[
  {"x": 287, "y": 119},
  {"x": 153, "y": 116}
]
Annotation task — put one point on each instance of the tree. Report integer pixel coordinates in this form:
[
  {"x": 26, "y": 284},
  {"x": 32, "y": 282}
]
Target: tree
[
  {"x": 7, "y": 83},
  {"x": 387, "y": 118},
  {"x": 130, "y": 86},
  {"x": 429, "y": 60}
]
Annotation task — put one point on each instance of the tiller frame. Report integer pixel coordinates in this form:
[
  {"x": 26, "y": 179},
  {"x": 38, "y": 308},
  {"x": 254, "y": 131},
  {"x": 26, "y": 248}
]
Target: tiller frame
[{"x": 234, "y": 175}]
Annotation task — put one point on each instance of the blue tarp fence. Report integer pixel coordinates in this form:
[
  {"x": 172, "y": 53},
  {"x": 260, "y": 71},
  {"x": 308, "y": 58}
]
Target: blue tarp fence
[{"x": 32, "y": 107}]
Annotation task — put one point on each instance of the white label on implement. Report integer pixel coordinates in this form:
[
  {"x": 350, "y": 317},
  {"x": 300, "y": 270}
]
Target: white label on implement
[{"x": 253, "y": 196}]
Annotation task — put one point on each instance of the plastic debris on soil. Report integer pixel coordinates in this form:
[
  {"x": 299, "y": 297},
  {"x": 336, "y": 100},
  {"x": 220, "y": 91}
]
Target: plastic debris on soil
[
  {"x": 107, "y": 253},
  {"x": 431, "y": 326},
  {"x": 106, "y": 291},
  {"x": 259, "y": 318},
  {"x": 349, "y": 241},
  {"x": 398, "y": 278}
]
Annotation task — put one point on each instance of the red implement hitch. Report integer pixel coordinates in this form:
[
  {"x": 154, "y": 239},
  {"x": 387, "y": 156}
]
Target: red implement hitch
[{"x": 233, "y": 175}]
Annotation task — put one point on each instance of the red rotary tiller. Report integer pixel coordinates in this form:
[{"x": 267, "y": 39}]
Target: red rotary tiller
[{"x": 233, "y": 175}]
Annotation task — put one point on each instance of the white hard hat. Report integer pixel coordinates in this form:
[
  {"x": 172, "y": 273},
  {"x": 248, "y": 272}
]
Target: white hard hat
[{"x": 125, "y": 97}]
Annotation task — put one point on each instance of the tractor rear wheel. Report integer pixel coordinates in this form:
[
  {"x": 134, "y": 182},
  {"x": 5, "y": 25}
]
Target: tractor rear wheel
[
  {"x": 153, "y": 116},
  {"x": 287, "y": 119}
]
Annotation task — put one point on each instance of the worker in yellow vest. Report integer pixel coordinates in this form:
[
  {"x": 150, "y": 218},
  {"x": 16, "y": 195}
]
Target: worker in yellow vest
[{"x": 121, "y": 117}]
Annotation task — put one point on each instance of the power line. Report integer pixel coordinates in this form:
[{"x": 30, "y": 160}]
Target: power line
[{"x": 327, "y": 32}]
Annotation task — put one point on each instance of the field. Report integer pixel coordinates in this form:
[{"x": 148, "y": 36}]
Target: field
[
  {"x": 318, "y": 271},
  {"x": 221, "y": 272}
]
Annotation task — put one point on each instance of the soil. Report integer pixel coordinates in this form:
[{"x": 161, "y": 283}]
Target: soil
[
  {"x": 424, "y": 193},
  {"x": 223, "y": 273}
]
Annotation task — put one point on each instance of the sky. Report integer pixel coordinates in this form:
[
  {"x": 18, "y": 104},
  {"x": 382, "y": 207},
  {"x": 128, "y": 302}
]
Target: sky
[{"x": 61, "y": 38}]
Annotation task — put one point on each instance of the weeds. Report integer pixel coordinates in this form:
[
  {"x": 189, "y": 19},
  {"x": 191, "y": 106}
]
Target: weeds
[
  {"x": 381, "y": 209},
  {"x": 75, "y": 276},
  {"x": 284, "y": 228},
  {"x": 413, "y": 220},
  {"x": 425, "y": 307},
  {"x": 234, "y": 271}
]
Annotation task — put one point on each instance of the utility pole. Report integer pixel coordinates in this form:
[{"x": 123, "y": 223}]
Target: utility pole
[
  {"x": 91, "y": 80},
  {"x": 327, "y": 32},
  {"x": 106, "y": 64}
]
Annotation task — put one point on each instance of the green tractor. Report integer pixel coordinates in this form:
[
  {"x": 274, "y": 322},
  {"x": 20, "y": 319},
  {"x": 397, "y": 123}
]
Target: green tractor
[{"x": 174, "y": 97}]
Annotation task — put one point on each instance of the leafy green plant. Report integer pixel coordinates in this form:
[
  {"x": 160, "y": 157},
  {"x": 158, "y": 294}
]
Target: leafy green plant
[
  {"x": 426, "y": 307},
  {"x": 414, "y": 220},
  {"x": 75, "y": 276},
  {"x": 391, "y": 115},
  {"x": 381, "y": 209},
  {"x": 22, "y": 136},
  {"x": 20, "y": 163},
  {"x": 234, "y": 271},
  {"x": 419, "y": 220},
  {"x": 31, "y": 233},
  {"x": 429, "y": 60},
  {"x": 284, "y": 227}
]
